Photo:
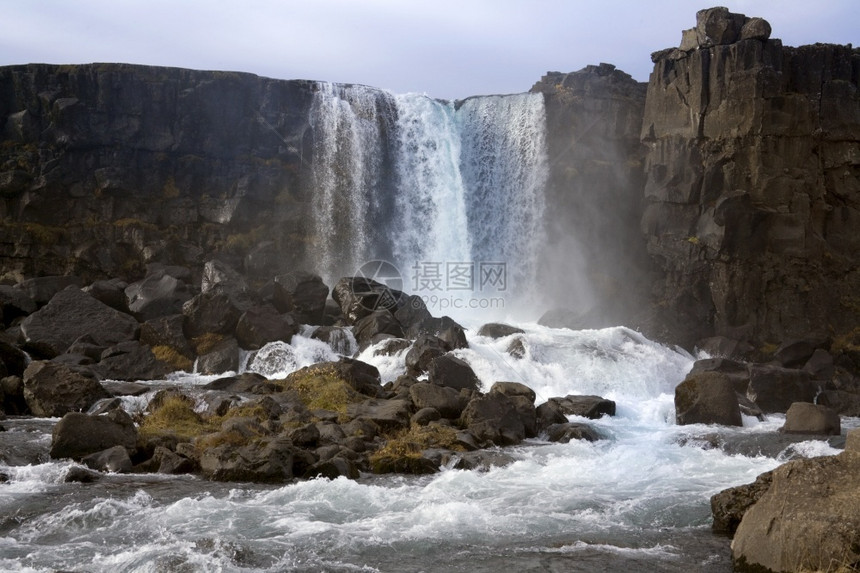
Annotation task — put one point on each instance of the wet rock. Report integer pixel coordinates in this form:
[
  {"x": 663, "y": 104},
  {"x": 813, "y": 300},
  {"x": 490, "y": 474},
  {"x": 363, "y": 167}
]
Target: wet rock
[
  {"x": 131, "y": 361},
  {"x": 592, "y": 407},
  {"x": 567, "y": 431},
  {"x": 246, "y": 382},
  {"x": 412, "y": 313},
  {"x": 424, "y": 350},
  {"x": 304, "y": 294},
  {"x": 260, "y": 325},
  {"x": 368, "y": 328},
  {"x": 820, "y": 365},
  {"x": 12, "y": 392},
  {"x": 494, "y": 418},
  {"x": 808, "y": 519},
  {"x": 126, "y": 388},
  {"x": 341, "y": 341},
  {"x": 12, "y": 358},
  {"x": 114, "y": 460},
  {"x": 333, "y": 468},
  {"x": 307, "y": 436},
  {"x": 267, "y": 460},
  {"x": 450, "y": 371},
  {"x": 498, "y": 330},
  {"x": 78, "y": 435},
  {"x": 445, "y": 328},
  {"x": 223, "y": 357},
  {"x": 795, "y": 353},
  {"x": 52, "y": 390},
  {"x": 387, "y": 414},
  {"x": 549, "y": 413},
  {"x": 72, "y": 313},
  {"x": 170, "y": 462},
  {"x": 806, "y": 418},
  {"x": 738, "y": 372},
  {"x": 77, "y": 474},
  {"x": 448, "y": 401},
  {"x": 214, "y": 311},
  {"x": 707, "y": 398},
  {"x": 404, "y": 464},
  {"x": 166, "y": 331},
  {"x": 359, "y": 296},
  {"x": 516, "y": 348},
  {"x": 480, "y": 460},
  {"x": 729, "y": 506},
  {"x": 724, "y": 347}
]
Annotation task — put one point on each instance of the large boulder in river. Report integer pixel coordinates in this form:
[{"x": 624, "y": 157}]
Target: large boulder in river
[
  {"x": 495, "y": 418},
  {"x": 72, "y": 313},
  {"x": 447, "y": 401},
  {"x": 260, "y": 325},
  {"x": 379, "y": 323},
  {"x": 498, "y": 330},
  {"x": 808, "y": 520},
  {"x": 52, "y": 389},
  {"x": 263, "y": 460},
  {"x": 807, "y": 418},
  {"x": 78, "y": 435},
  {"x": 707, "y": 398},
  {"x": 214, "y": 311},
  {"x": 448, "y": 370},
  {"x": 424, "y": 350},
  {"x": 592, "y": 407},
  {"x": 360, "y": 296},
  {"x": 130, "y": 361}
]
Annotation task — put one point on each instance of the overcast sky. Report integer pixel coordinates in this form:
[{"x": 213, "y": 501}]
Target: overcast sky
[{"x": 445, "y": 48}]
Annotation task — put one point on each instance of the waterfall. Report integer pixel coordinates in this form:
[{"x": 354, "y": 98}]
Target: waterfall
[{"x": 433, "y": 186}]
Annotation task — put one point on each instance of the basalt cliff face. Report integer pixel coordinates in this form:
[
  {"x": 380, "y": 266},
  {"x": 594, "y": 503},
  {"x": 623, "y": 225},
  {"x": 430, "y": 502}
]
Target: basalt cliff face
[
  {"x": 753, "y": 184},
  {"x": 105, "y": 167},
  {"x": 722, "y": 198}
]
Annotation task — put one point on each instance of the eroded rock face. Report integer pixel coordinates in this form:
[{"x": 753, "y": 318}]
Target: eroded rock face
[
  {"x": 809, "y": 518},
  {"x": 752, "y": 182}
]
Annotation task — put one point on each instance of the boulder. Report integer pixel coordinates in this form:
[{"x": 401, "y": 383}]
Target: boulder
[
  {"x": 130, "y": 361},
  {"x": 361, "y": 376},
  {"x": 387, "y": 414},
  {"x": 807, "y": 520},
  {"x": 14, "y": 303},
  {"x": 450, "y": 371},
  {"x": 110, "y": 292},
  {"x": 218, "y": 275},
  {"x": 12, "y": 391},
  {"x": 498, "y": 330},
  {"x": 155, "y": 296},
  {"x": 513, "y": 389},
  {"x": 78, "y": 435},
  {"x": 592, "y": 407},
  {"x": 166, "y": 331},
  {"x": 449, "y": 402},
  {"x": 567, "y": 431},
  {"x": 360, "y": 296},
  {"x": 424, "y": 350},
  {"x": 412, "y": 312},
  {"x": 775, "y": 389},
  {"x": 260, "y": 325},
  {"x": 338, "y": 338},
  {"x": 52, "y": 390},
  {"x": 369, "y": 327},
  {"x": 424, "y": 416},
  {"x": 222, "y": 357},
  {"x": 494, "y": 418},
  {"x": 72, "y": 313},
  {"x": 806, "y": 418},
  {"x": 445, "y": 328},
  {"x": 265, "y": 460},
  {"x": 729, "y": 506},
  {"x": 724, "y": 347},
  {"x": 517, "y": 348},
  {"x": 548, "y": 414},
  {"x": 333, "y": 468},
  {"x": 12, "y": 358},
  {"x": 115, "y": 460},
  {"x": 170, "y": 462},
  {"x": 707, "y": 398},
  {"x": 820, "y": 365},
  {"x": 249, "y": 382},
  {"x": 303, "y": 294},
  {"x": 214, "y": 311},
  {"x": 738, "y": 372},
  {"x": 756, "y": 29},
  {"x": 718, "y": 26},
  {"x": 795, "y": 353},
  {"x": 852, "y": 440}
]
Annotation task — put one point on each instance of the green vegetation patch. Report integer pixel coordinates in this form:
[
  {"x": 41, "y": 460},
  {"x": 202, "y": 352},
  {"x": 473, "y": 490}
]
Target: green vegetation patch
[
  {"x": 174, "y": 415},
  {"x": 320, "y": 388},
  {"x": 172, "y": 357}
]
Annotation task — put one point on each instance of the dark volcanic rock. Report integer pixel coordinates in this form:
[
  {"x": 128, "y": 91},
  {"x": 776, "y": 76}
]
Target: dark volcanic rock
[
  {"x": 498, "y": 330},
  {"x": 155, "y": 296},
  {"x": 424, "y": 350},
  {"x": 450, "y": 371},
  {"x": 52, "y": 389},
  {"x": 223, "y": 357},
  {"x": 707, "y": 398},
  {"x": 110, "y": 292},
  {"x": 78, "y": 435},
  {"x": 592, "y": 407},
  {"x": 445, "y": 400},
  {"x": 304, "y": 294},
  {"x": 72, "y": 313},
  {"x": 807, "y": 520},
  {"x": 260, "y": 325},
  {"x": 806, "y": 418},
  {"x": 263, "y": 461},
  {"x": 494, "y": 418},
  {"x": 729, "y": 506},
  {"x": 130, "y": 361},
  {"x": 775, "y": 389}
]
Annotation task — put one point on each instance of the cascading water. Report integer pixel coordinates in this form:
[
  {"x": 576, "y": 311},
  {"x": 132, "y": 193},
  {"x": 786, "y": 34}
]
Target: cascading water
[{"x": 449, "y": 187}]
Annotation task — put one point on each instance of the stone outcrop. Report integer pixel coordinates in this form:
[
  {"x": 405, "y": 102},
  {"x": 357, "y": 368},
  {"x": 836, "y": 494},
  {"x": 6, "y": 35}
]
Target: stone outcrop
[
  {"x": 751, "y": 184},
  {"x": 808, "y": 520}
]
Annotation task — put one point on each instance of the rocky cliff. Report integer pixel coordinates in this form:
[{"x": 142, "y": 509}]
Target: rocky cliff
[
  {"x": 105, "y": 167},
  {"x": 753, "y": 184}
]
